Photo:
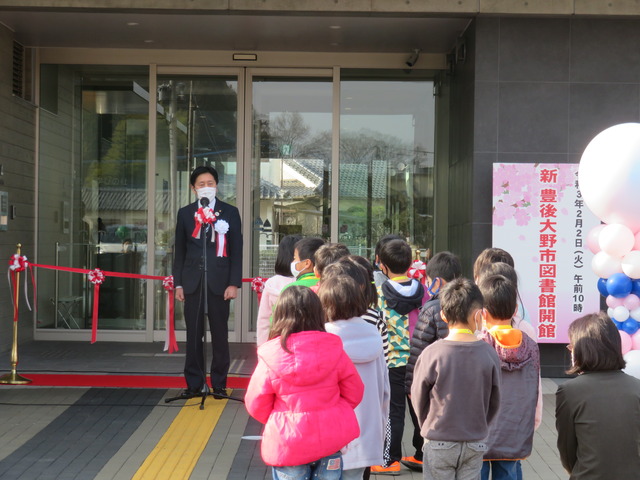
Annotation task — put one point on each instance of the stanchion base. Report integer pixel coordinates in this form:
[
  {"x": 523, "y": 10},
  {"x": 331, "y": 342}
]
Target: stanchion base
[{"x": 14, "y": 378}]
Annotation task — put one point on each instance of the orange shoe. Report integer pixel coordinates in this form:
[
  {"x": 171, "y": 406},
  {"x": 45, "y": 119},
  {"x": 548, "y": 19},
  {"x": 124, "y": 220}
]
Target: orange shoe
[
  {"x": 412, "y": 463},
  {"x": 393, "y": 469}
]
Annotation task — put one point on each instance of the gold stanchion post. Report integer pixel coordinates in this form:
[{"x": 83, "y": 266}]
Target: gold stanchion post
[{"x": 14, "y": 378}]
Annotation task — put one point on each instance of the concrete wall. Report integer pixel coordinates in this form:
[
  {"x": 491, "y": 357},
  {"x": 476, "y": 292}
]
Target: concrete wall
[{"x": 17, "y": 144}]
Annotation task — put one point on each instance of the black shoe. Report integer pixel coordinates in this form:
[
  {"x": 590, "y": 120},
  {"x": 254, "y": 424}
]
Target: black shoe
[
  {"x": 219, "y": 393},
  {"x": 188, "y": 393}
]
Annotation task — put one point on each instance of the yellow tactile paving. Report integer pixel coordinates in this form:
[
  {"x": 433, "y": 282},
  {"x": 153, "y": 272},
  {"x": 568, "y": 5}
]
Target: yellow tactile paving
[{"x": 176, "y": 454}]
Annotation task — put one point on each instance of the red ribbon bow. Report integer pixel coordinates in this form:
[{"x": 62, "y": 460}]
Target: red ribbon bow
[
  {"x": 203, "y": 216},
  {"x": 17, "y": 264},
  {"x": 418, "y": 270},
  {"x": 257, "y": 285},
  {"x": 170, "y": 342},
  {"x": 96, "y": 277}
]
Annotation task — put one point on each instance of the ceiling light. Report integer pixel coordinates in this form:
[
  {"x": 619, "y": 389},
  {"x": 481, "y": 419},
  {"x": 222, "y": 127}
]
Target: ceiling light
[
  {"x": 335, "y": 27},
  {"x": 132, "y": 24},
  {"x": 149, "y": 41}
]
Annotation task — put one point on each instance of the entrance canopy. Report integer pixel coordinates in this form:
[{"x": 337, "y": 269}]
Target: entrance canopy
[{"x": 222, "y": 31}]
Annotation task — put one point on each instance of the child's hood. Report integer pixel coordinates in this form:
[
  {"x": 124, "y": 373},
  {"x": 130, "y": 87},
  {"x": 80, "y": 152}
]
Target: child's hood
[
  {"x": 514, "y": 348},
  {"x": 361, "y": 340},
  {"x": 403, "y": 297},
  {"x": 313, "y": 356}
]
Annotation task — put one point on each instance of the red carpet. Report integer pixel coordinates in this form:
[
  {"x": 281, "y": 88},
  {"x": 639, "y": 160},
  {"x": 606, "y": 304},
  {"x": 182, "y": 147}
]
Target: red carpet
[{"x": 125, "y": 381}]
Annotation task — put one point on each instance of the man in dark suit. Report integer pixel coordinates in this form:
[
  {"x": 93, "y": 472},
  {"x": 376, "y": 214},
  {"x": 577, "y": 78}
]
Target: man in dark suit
[{"x": 223, "y": 239}]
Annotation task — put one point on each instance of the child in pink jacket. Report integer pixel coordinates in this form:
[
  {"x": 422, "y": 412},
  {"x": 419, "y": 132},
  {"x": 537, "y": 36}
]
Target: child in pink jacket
[{"x": 304, "y": 390}]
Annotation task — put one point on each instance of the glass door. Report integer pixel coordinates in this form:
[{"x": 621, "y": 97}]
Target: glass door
[
  {"x": 288, "y": 147},
  {"x": 387, "y": 144},
  {"x": 196, "y": 124}
]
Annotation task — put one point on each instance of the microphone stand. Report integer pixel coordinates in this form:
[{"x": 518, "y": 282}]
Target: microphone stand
[
  {"x": 204, "y": 289},
  {"x": 204, "y": 201}
]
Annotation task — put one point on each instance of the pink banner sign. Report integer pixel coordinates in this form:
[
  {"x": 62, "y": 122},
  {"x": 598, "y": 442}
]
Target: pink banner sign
[{"x": 540, "y": 218}]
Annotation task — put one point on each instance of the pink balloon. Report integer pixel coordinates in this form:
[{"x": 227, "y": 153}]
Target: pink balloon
[
  {"x": 631, "y": 264},
  {"x": 592, "y": 238},
  {"x": 636, "y": 245},
  {"x": 626, "y": 341},
  {"x": 604, "y": 265},
  {"x": 631, "y": 301},
  {"x": 614, "y": 302},
  {"x": 635, "y": 341},
  {"x": 616, "y": 239}
]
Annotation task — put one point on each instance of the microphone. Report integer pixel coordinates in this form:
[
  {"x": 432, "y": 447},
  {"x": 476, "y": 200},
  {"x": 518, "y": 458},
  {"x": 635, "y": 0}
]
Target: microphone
[{"x": 204, "y": 201}]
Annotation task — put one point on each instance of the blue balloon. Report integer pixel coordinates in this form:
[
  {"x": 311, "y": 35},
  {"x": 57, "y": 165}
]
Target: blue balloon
[
  {"x": 618, "y": 324},
  {"x": 602, "y": 287},
  {"x": 630, "y": 326},
  {"x": 635, "y": 287},
  {"x": 619, "y": 285}
]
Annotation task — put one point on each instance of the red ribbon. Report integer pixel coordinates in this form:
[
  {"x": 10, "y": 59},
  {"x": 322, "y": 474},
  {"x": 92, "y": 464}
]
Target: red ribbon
[
  {"x": 170, "y": 343},
  {"x": 96, "y": 277},
  {"x": 94, "y": 319},
  {"x": 13, "y": 299},
  {"x": 19, "y": 263}
]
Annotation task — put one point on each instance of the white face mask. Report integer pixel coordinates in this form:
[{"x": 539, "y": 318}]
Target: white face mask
[
  {"x": 477, "y": 324},
  {"x": 208, "y": 192},
  {"x": 294, "y": 271}
]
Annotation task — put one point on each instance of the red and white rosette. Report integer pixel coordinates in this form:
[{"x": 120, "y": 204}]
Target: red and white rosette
[
  {"x": 17, "y": 264},
  {"x": 203, "y": 216},
  {"x": 257, "y": 285},
  {"x": 418, "y": 271},
  {"x": 170, "y": 342},
  {"x": 221, "y": 228},
  {"x": 95, "y": 276}
]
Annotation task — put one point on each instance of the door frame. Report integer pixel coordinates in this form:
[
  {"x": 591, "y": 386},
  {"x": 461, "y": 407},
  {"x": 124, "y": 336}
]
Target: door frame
[
  {"x": 239, "y": 73},
  {"x": 333, "y": 74}
]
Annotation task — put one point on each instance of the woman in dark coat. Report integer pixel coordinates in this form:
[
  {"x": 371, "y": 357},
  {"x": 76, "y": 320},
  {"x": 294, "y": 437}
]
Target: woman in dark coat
[{"x": 598, "y": 413}]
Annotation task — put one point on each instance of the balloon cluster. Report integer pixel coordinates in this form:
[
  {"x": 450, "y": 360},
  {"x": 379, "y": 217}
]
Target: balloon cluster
[
  {"x": 609, "y": 177},
  {"x": 617, "y": 263}
]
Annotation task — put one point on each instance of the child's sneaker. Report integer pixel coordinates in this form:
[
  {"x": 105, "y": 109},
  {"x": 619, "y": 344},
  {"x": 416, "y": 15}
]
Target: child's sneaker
[
  {"x": 412, "y": 463},
  {"x": 393, "y": 469}
]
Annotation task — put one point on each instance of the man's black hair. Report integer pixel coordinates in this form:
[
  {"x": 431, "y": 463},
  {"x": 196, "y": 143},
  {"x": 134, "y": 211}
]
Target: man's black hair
[{"x": 200, "y": 170}]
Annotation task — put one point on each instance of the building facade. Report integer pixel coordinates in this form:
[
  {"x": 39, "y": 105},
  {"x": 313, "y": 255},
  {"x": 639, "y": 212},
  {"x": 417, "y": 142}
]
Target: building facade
[{"x": 347, "y": 121}]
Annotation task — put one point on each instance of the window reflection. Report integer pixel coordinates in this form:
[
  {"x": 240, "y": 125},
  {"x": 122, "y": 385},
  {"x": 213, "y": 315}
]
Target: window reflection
[
  {"x": 92, "y": 194},
  {"x": 386, "y": 162}
]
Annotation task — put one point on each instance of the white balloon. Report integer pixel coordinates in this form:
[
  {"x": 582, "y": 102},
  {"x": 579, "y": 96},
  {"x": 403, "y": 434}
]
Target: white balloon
[
  {"x": 609, "y": 175},
  {"x": 620, "y": 313},
  {"x": 635, "y": 314},
  {"x": 616, "y": 239},
  {"x": 605, "y": 265},
  {"x": 610, "y": 312},
  {"x": 631, "y": 264},
  {"x": 633, "y": 363}
]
